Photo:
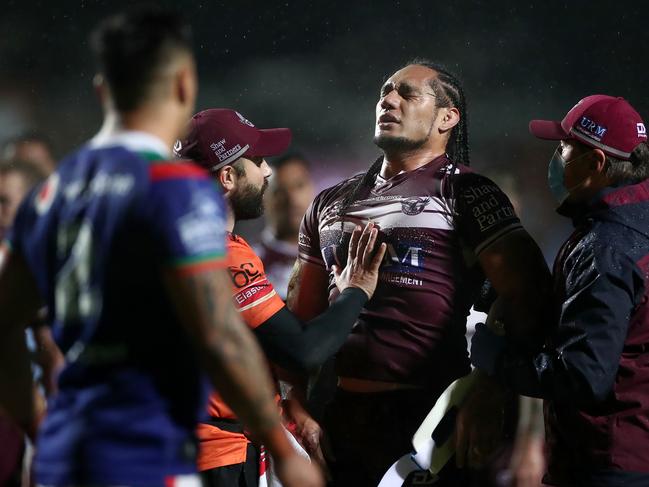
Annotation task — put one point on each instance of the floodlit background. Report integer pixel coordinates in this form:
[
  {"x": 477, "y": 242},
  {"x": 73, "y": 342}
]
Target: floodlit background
[{"x": 317, "y": 66}]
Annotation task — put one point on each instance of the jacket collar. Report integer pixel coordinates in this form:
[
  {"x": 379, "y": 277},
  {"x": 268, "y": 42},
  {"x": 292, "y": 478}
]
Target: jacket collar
[{"x": 620, "y": 194}]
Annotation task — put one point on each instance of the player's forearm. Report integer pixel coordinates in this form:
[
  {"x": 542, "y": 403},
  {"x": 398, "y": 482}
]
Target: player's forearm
[
  {"x": 305, "y": 346},
  {"x": 239, "y": 372},
  {"x": 229, "y": 353},
  {"x": 307, "y": 294},
  {"x": 518, "y": 272}
]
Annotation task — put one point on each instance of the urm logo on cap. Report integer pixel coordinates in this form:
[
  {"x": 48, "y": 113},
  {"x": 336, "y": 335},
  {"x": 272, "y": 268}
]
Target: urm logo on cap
[
  {"x": 592, "y": 128},
  {"x": 642, "y": 130}
]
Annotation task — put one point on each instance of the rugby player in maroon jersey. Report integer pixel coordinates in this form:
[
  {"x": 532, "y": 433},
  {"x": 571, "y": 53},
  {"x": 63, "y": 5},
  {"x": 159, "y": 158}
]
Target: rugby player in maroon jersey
[{"x": 446, "y": 229}]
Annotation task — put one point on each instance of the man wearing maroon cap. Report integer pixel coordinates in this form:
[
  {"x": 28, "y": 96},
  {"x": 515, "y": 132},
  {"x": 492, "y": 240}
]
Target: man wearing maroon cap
[
  {"x": 594, "y": 370},
  {"x": 233, "y": 149}
]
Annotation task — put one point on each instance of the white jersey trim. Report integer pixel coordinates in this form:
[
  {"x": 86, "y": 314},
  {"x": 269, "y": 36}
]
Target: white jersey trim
[
  {"x": 259, "y": 301},
  {"x": 133, "y": 140}
]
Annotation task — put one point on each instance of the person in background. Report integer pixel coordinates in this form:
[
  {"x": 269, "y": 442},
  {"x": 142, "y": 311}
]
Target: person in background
[
  {"x": 290, "y": 192},
  {"x": 17, "y": 178},
  {"x": 33, "y": 147}
]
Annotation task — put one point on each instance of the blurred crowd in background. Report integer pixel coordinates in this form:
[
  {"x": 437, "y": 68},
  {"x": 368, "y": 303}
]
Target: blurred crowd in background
[{"x": 317, "y": 67}]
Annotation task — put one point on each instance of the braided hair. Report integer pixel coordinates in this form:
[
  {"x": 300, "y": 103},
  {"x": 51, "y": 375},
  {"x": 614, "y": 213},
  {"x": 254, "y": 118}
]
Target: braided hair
[{"x": 449, "y": 93}]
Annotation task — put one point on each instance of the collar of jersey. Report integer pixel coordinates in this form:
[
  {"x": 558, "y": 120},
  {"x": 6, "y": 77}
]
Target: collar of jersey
[{"x": 147, "y": 145}]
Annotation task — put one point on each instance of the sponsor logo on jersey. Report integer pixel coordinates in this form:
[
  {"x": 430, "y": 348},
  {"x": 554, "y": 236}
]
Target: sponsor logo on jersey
[
  {"x": 414, "y": 205},
  {"x": 404, "y": 256},
  {"x": 178, "y": 147},
  {"x": 102, "y": 184},
  {"x": 46, "y": 195},
  {"x": 255, "y": 294},
  {"x": 244, "y": 274},
  {"x": 304, "y": 239},
  {"x": 201, "y": 230},
  {"x": 473, "y": 193},
  {"x": 490, "y": 211}
]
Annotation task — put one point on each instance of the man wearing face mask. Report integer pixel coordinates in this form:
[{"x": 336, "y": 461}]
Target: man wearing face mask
[{"x": 594, "y": 370}]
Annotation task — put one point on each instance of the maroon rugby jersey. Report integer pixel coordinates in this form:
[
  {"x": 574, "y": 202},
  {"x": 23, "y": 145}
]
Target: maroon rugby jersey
[{"x": 435, "y": 224}]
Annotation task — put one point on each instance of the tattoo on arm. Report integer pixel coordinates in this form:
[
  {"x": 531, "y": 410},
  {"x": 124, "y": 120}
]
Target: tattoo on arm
[
  {"x": 293, "y": 285},
  {"x": 229, "y": 351}
]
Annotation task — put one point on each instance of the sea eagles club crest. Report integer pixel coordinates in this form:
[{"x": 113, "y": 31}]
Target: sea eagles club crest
[{"x": 414, "y": 205}]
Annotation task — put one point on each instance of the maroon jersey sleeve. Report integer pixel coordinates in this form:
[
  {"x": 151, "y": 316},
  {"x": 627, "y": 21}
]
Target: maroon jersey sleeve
[
  {"x": 484, "y": 213},
  {"x": 309, "y": 237}
]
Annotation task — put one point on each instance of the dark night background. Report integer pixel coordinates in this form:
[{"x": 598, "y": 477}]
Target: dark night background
[{"x": 317, "y": 66}]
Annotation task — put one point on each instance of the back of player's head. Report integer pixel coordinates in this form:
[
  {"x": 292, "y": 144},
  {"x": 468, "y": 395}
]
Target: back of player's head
[{"x": 134, "y": 49}]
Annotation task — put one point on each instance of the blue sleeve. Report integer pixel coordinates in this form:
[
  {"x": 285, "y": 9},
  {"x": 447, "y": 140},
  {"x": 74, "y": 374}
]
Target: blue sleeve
[
  {"x": 187, "y": 215},
  {"x": 581, "y": 361}
]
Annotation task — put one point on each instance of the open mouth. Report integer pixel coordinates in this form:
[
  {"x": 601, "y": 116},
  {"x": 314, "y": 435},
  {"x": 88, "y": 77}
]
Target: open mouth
[{"x": 387, "y": 118}]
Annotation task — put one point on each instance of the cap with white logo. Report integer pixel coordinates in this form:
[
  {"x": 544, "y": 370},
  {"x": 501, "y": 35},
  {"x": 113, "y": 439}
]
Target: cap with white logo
[
  {"x": 600, "y": 121},
  {"x": 219, "y": 136}
]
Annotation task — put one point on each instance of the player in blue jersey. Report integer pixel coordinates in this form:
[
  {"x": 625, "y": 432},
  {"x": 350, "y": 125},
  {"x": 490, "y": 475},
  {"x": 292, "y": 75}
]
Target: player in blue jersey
[{"x": 127, "y": 250}]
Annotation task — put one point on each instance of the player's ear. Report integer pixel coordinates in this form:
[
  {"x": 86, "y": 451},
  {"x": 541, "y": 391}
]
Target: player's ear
[
  {"x": 185, "y": 83},
  {"x": 450, "y": 118},
  {"x": 227, "y": 177},
  {"x": 598, "y": 163}
]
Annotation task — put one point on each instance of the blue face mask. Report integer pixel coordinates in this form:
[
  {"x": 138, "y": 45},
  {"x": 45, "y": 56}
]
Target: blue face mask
[{"x": 556, "y": 176}]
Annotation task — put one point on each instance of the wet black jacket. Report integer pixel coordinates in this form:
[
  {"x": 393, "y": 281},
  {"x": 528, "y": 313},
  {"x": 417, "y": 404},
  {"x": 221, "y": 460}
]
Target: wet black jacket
[{"x": 594, "y": 369}]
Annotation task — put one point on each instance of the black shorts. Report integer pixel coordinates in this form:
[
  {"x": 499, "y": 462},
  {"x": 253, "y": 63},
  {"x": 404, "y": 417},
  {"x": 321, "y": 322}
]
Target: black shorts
[
  {"x": 369, "y": 432},
  {"x": 238, "y": 475}
]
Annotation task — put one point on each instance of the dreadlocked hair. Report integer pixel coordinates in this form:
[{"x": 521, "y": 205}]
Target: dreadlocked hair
[
  {"x": 449, "y": 93},
  {"x": 367, "y": 181}
]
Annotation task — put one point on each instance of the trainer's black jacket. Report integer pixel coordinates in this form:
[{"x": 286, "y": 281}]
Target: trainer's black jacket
[{"x": 594, "y": 369}]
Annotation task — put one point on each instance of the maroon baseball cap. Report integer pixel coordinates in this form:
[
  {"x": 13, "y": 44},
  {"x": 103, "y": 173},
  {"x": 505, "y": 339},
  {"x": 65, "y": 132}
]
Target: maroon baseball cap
[
  {"x": 219, "y": 136},
  {"x": 600, "y": 121}
]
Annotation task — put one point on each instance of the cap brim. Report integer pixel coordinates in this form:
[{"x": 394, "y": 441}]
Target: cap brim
[
  {"x": 548, "y": 130},
  {"x": 272, "y": 142}
]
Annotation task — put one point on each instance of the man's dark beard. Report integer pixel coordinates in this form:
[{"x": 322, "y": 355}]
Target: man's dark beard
[
  {"x": 398, "y": 144},
  {"x": 248, "y": 202}
]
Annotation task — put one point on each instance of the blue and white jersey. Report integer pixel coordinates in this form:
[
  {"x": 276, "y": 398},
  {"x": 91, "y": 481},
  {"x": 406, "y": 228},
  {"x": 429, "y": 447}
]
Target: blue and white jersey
[{"x": 98, "y": 235}]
